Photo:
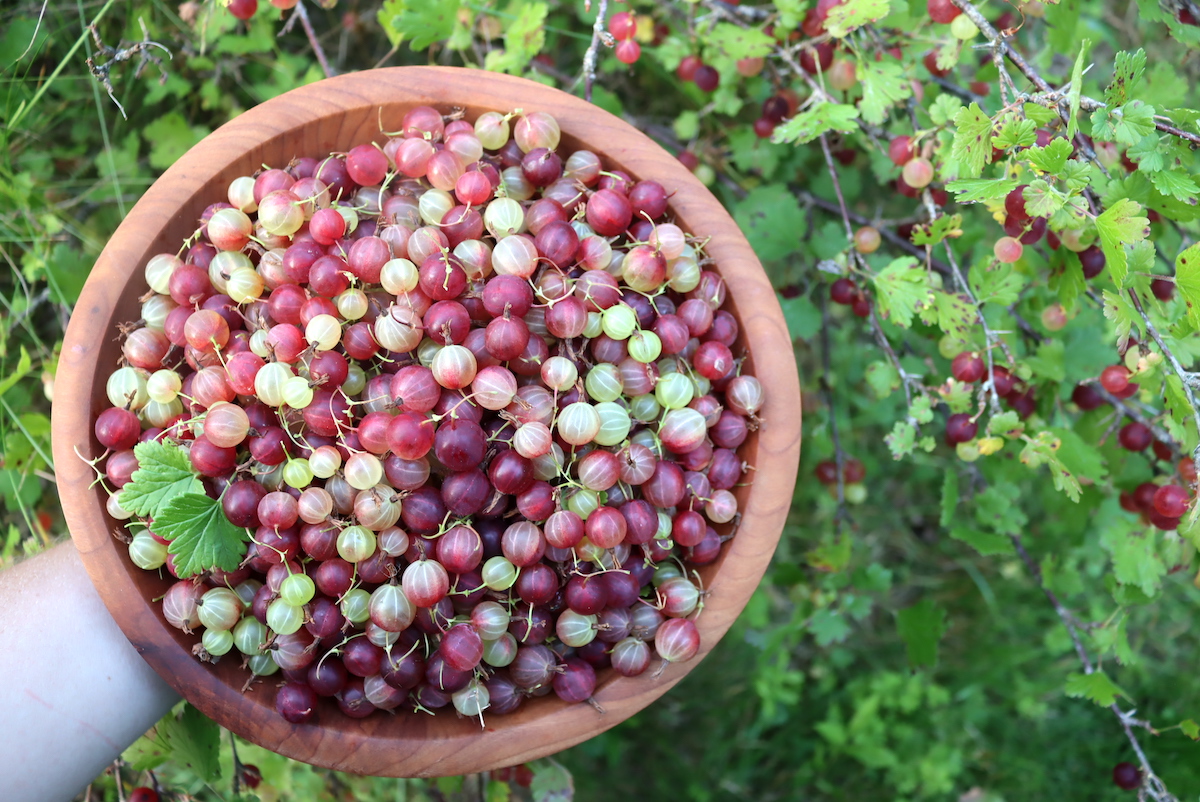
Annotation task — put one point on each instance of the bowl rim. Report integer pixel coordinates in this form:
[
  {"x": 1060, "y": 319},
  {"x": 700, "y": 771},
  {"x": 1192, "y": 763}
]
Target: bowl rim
[{"x": 379, "y": 745}]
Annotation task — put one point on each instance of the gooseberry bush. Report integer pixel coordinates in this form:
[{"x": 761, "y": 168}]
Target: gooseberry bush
[{"x": 980, "y": 219}]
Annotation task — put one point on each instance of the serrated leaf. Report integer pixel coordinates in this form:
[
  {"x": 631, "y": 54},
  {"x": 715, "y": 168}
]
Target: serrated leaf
[
  {"x": 1126, "y": 656},
  {"x": 193, "y": 740},
  {"x": 1175, "y": 400},
  {"x": 1039, "y": 114},
  {"x": 164, "y": 472},
  {"x": 523, "y": 39},
  {"x": 1121, "y": 312},
  {"x": 1067, "y": 279},
  {"x": 1175, "y": 184},
  {"x": 1095, "y": 687},
  {"x": 828, "y": 626},
  {"x": 1135, "y": 557},
  {"x": 201, "y": 537},
  {"x": 791, "y": 12},
  {"x": 420, "y": 22},
  {"x": 1075, "y": 174},
  {"x": 1184, "y": 118},
  {"x": 1079, "y": 456},
  {"x": 818, "y": 119},
  {"x": 1000, "y": 285},
  {"x": 958, "y": 396},
  {"x": 1148, "y": 154},
  {"x": 883, "y": 86},
  {"x": 948, "y": 225},
  {"x": 1127, "y": 72},
  {"x": 972, "y": 190},
  {"x": 1042, "y": 450},
  {"x": 1006, "y": 424},
  {"x": 900, "y": 288},
  {"x": 735, "y": 42},
  {"x": 998, "y": 508},
  {"x": 921, "y": 410},
  {"x": 851, "y": 14},
  {"x": 1190, "y": 728},
  {"x": 1015, "y": 133},
  {"x": 882, "y": 378},
  {"x": 947, "y": 55},
  {"x": 972, "y": 147},
  {"x": 146, "y": 754},
  {"x": 1052, "y": 158},
  {"x": 921, "y": 626},
  {"x": 902, "y": 439},
  {"x": 953, "y": 314},
  {"x": 1076, "y": 91},
  {"x": 1062, "y": 24},
  {"x": 1121, "y": 224},
  {"x": 1042, "y": 199},
  {"x": 1187, "y": 281},
  {"x": 943, "y": 108},
  {"x": 1126, "y": 124}
]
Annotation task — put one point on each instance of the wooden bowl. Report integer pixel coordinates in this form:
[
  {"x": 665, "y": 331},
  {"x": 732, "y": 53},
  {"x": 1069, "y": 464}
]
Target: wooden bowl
[{"x": 334, "y": 115}]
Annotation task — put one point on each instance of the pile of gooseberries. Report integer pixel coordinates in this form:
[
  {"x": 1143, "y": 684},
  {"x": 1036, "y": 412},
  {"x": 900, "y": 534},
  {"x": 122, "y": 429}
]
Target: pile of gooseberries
[{"x": 476, "y": 401}]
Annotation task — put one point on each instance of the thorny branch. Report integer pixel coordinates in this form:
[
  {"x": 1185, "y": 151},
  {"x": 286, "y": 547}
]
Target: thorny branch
[
  {"x": 118, "y": 54},
  {"x": 301, "y": 14},
  {"x": 905, "y": 378},
  {"x": 1085, "y": 103},
  {"x": 990, "y": 336},
  {"x": 1183, "y": 375},
  {"x": 1130, "y": 412},
  {"x": 888, "y": 234},
  {"x": 1152, "y": 786},
  {"x": 839, "y": 456},
  {"x": 599, "y": 35}
]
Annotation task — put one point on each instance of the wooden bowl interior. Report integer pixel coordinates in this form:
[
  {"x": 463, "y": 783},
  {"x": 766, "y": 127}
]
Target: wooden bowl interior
[{"x": 331, "y": 117}]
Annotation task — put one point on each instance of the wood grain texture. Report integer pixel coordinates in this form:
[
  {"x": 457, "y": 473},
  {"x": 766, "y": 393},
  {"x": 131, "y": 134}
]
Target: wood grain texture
[{"x": 334, "y": 115}]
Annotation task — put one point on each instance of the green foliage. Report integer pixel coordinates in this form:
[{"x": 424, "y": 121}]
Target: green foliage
[
  {"x": 1095, "y": 687},
  {"x": 164, "y": 471},
  {"x": 419, "y": 23},
  {"x": 1119, "y": 226},
  {"x": 820, "y": 118},
  {"x": 972, "y": 140},
  {"x": 201, "y": 537}
]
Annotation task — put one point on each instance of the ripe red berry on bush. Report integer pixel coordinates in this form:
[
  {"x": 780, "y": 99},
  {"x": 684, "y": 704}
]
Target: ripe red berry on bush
[{"x": 476, "y": 408}]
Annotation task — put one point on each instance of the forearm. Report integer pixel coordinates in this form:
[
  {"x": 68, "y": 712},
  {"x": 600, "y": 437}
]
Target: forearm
[{"x": 76, "y": 693}]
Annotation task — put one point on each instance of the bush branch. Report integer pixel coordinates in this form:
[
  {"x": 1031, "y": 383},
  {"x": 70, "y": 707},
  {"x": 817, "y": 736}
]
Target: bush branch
[
  {"x": 589, "y": 58},
  {"x": 1027, "y": 69},
  {"x": 827, "y": 394},
  {"x": 301, "y": 14},
  {"x": 1183, "y": 375},
  {"x": 1151, "y": 784}
]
